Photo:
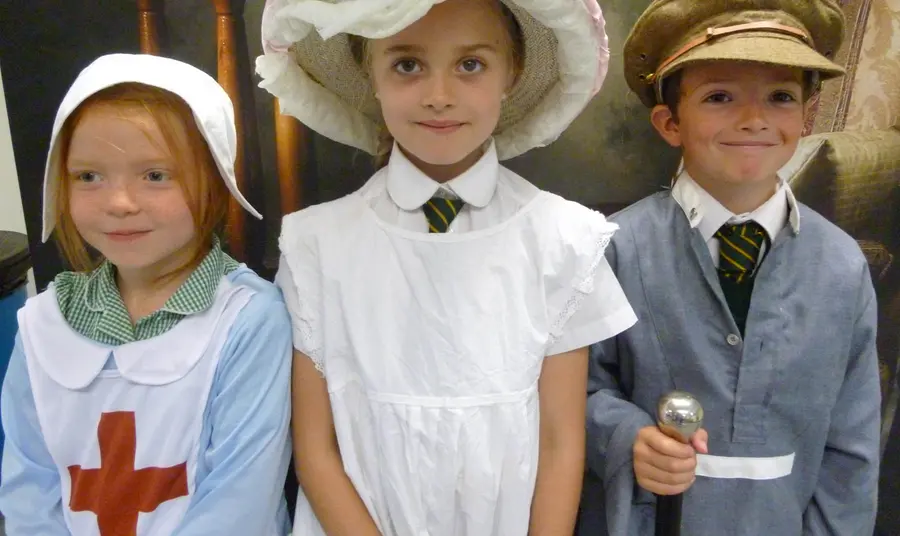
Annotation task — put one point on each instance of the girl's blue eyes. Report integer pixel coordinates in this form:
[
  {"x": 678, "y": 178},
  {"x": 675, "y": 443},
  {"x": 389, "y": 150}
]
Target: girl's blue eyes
[
  {"x": 87, "y": 177},
  {"x": 91, "y": 177},
  {"x": 157, "y": 176},
  {"x": 411, "y": 66},
  {"x": 472, "y": 66},
  {"x": 407, "y": 67}
]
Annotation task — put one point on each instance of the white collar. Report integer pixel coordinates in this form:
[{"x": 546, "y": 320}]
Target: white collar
[
  {"x": 74, "y": 361},
  {"x": 410, "y": 188},
  {"x": 706, "y": 214}
]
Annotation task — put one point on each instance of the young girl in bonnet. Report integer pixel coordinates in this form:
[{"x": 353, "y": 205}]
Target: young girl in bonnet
[
  {"x": 441, "y": 312},
  {"x": 148, "y": 391}
]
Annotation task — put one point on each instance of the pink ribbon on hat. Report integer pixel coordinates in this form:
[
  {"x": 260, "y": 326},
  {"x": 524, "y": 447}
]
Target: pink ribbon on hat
[
  {"x": 596, "y": 14},
  {"x": 280, "y": 43}
]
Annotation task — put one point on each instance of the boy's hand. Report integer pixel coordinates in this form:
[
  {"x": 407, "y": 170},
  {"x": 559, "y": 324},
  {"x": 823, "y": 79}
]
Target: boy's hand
[{"x": 663, "y": 465}]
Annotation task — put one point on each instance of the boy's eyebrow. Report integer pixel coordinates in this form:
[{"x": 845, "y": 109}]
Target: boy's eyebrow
[
  {"x": 417, "y": 49},
  {"x": 788, "y": 77},
  {"x": 718, "y": 80},
  {"x": 732, "y": 83}
]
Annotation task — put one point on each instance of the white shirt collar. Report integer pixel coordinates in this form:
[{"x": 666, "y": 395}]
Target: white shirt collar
[
  {"x": 706, "y": 214},
  {"x": 410, "y": 188}
]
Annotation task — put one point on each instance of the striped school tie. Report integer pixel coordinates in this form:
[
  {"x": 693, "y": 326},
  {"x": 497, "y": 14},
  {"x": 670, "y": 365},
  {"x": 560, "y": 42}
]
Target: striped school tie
[
  {"x": 441, "y": 212},
  {"x": 739, "y": 248}
]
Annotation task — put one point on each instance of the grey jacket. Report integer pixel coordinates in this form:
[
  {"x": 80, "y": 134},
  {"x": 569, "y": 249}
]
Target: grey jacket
[{"x": 803, "y": 380}]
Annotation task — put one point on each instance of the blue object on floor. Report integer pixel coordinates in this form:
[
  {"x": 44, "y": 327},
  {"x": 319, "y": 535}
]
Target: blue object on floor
[
  {"x": 15, "y": 261},
  {"x": 9, "y": 306}
]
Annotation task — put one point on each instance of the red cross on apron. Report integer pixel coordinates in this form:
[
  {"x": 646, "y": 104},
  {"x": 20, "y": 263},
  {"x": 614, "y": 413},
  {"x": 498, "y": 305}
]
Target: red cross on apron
[{"x": 116, "y": 492}]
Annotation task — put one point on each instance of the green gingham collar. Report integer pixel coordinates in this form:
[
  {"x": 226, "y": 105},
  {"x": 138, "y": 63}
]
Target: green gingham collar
[{"x": 193, "y": 296}]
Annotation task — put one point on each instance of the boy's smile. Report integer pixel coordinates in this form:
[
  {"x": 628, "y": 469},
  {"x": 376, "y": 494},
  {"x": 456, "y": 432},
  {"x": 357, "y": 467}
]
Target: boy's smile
[{"x": 737, "y": 124}]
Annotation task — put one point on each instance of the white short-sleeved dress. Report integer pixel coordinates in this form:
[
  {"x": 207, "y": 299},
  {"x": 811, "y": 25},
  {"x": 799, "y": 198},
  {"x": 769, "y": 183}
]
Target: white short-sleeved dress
[{"x": 432, "y": 346}]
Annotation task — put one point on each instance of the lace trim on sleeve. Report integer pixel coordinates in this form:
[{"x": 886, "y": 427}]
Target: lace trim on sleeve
[{"x": 581, "y": 289}]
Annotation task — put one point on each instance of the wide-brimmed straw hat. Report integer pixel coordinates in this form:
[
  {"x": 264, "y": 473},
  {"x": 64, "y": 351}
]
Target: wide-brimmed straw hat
[
  {"x": 212, "y": 109},
  {"x": 309, "y": 67},
  {"x": 671, "y": 34}
]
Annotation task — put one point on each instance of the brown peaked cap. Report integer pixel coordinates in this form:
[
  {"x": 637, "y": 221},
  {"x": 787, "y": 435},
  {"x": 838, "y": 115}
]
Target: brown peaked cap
[{"x": 673, "y": 33}]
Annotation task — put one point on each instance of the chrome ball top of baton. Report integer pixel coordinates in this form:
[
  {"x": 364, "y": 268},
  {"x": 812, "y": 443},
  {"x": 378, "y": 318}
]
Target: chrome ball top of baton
[{"x": 679, "y": 415}]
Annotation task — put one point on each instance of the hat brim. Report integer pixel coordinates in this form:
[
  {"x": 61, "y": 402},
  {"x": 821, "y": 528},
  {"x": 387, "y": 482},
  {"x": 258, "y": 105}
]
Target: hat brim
[
  {"x": 763, "y": 48},
  {"x": 317, "y": 80}
]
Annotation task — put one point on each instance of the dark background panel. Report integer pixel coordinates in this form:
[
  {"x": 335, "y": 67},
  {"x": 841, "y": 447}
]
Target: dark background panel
[{"x": 43, "y": 46}]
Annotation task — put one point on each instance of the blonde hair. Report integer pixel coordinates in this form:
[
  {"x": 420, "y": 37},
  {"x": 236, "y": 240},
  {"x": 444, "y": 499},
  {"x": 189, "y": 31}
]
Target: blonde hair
[
  {"x": 195, "y": 171},
  {"x": 360, "y": 49}
]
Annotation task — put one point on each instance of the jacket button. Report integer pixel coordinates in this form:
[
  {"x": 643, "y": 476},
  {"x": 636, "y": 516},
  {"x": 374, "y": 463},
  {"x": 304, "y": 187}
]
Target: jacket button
[{"x": 733, "y": 339}]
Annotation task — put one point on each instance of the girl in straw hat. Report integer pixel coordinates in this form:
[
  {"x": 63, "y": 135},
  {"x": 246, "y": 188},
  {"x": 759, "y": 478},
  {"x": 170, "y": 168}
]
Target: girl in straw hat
[
  {"x": 147, "y": 392},
  {"x": 442, "y": 312},
  {"x": 782, "y": 357}
]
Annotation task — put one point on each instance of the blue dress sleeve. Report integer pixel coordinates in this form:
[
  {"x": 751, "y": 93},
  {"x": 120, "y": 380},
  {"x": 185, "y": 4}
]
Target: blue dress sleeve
[
  {"x": 30, "y": 496},
  {"x": 241, "y": 474}
]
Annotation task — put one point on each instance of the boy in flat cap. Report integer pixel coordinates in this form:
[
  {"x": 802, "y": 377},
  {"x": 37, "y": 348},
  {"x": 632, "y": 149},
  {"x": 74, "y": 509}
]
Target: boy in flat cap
[{"x": 771, "y": 328}]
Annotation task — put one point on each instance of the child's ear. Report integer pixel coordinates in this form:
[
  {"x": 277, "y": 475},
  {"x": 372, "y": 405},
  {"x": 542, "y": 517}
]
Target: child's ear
[
  {"x": 808, "y": 108},
  {"x": 666, "y": 124}
]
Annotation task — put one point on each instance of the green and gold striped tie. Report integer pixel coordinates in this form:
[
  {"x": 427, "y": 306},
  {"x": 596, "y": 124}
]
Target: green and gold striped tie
[
  {"x": 739, "y": 248},
  {"x": 441, "y": 212}
]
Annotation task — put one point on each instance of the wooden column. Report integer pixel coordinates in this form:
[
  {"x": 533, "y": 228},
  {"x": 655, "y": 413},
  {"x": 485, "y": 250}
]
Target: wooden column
[
  {"x": 229, "y": 79},
  {"x": 291, "y": 154},
  {"x": 150, "y": 19}
]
